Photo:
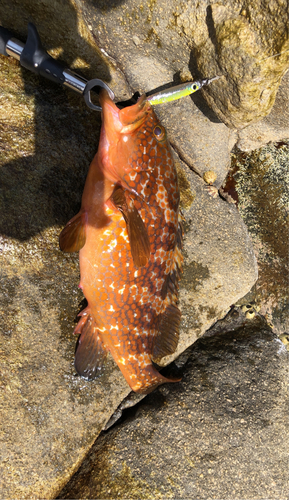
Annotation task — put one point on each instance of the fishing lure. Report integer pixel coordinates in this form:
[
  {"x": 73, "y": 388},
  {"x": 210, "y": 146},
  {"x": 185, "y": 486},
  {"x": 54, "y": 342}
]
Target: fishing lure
[{"x": 179, "y": 91}]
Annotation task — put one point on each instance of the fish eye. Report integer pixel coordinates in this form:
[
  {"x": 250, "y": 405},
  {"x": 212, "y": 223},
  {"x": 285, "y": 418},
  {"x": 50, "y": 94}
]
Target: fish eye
[
  {"x": 159, "y": 132},
  {"x": 195, "y": 87}
]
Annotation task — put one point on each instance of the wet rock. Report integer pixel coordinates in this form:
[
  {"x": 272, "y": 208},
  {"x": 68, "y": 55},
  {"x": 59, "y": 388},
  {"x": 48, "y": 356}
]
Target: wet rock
[
  {"x": 274, "y": 127},
  {"x": 262, "y": 186},
  {"x": 220, "y": 433}
]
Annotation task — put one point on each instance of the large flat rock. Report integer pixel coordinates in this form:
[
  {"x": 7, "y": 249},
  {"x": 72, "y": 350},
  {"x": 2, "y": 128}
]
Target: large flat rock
[{"x": 221, "y": 433}]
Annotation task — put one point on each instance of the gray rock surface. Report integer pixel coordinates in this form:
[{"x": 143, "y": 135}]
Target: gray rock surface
[
  {"x": 220, "y": 433},
  {"x": 199, "y": 138},
  {"x": 219, "y": 262}
]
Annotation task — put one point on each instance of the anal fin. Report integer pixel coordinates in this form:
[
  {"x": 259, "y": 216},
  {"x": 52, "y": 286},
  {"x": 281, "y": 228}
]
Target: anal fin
[
  {"x": 166, "y": 341},
  {"x": 90, "y": 354},
  {"x": 72, "y": 237},
  {"x": 137, "y": 232}
]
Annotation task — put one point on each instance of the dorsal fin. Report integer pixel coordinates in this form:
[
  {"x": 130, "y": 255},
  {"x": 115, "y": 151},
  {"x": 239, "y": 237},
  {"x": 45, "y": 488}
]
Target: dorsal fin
[
  {"x": 90, "y": 354},
  {"x": 137, "y": 233},
  {"x": 166, "y": 340},
  {"x": 72, "y": 237}
]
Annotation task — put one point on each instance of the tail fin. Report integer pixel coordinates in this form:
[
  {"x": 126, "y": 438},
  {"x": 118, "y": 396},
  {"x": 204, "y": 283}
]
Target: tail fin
[{"x": 145, "y": 380}]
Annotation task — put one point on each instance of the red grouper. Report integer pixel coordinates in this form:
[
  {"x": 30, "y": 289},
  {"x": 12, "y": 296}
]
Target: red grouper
[{"x": 129, "y": 234}]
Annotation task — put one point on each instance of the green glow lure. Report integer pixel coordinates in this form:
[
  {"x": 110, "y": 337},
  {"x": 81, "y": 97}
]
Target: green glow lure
[{"x": 179, "y": 91}]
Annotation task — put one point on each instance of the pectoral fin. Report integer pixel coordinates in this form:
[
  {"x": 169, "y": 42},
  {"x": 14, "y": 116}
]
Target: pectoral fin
[
  {"x": 137, "y": 232},
  {"x": 72, "y": 237}
]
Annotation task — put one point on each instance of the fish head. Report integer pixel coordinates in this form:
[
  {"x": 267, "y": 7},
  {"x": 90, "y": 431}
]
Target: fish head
[{"x": 130, "y": 137}]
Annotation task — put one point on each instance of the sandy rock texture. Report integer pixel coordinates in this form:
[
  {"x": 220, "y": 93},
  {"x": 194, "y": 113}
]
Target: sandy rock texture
[
  {"x": 274, "y": 127},
  {"x": 220, "y": 433}
]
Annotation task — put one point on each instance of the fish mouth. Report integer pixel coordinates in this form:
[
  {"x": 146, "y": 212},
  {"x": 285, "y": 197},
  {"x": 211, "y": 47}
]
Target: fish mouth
[{"x": 125, "y": 120}]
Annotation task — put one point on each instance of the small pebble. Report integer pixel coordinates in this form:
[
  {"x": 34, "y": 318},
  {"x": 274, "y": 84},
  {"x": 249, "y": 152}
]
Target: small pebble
[
  {"x": 186, "y": 75},
  {"x": 209, "y": 177},
  {"x": 136, "y": 40}
]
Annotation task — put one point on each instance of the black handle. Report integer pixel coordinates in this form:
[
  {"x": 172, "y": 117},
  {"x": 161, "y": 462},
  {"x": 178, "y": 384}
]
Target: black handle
[
  {"x": 5, "y": 35},
  {"x": 35, "y": 58}
]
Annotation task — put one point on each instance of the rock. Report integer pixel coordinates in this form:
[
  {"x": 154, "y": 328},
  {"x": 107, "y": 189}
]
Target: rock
[
  {"x": 42, "y": 176},
  {"x": 220, "y": 433},
  {"x": 208, "y": 39},
  {"x": 198, "y": 137},
  {"x": 49, "y": 416},
  {"x": 219, "y": 262},
  {"x": 261, "y": 183},
  {"x": 194, "y": 131},
  {"x": 238, "y": 45},
  {"x": 273, "y": 128}
]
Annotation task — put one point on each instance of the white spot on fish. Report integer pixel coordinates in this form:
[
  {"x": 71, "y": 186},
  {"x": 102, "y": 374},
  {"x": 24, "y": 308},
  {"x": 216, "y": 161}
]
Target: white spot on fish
[
  {"x": 112, "y": 245},
  {"x": 132, "y": 175},
  {"x": 114, "y": 327},
  {"x": 111, "y": 309},
  {"x": 121, "y": 290},
  {"x": 122, "y": 361},
  {"x": 125, "y": 138},
  {"x": 111, "y": 285}
]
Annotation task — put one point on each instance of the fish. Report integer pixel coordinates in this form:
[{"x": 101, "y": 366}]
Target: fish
[{"x": 129, "y": 236}]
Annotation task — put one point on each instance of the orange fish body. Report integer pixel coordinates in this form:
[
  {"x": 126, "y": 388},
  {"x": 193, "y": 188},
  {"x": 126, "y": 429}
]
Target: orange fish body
[{"x": 129, "y": 235}]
